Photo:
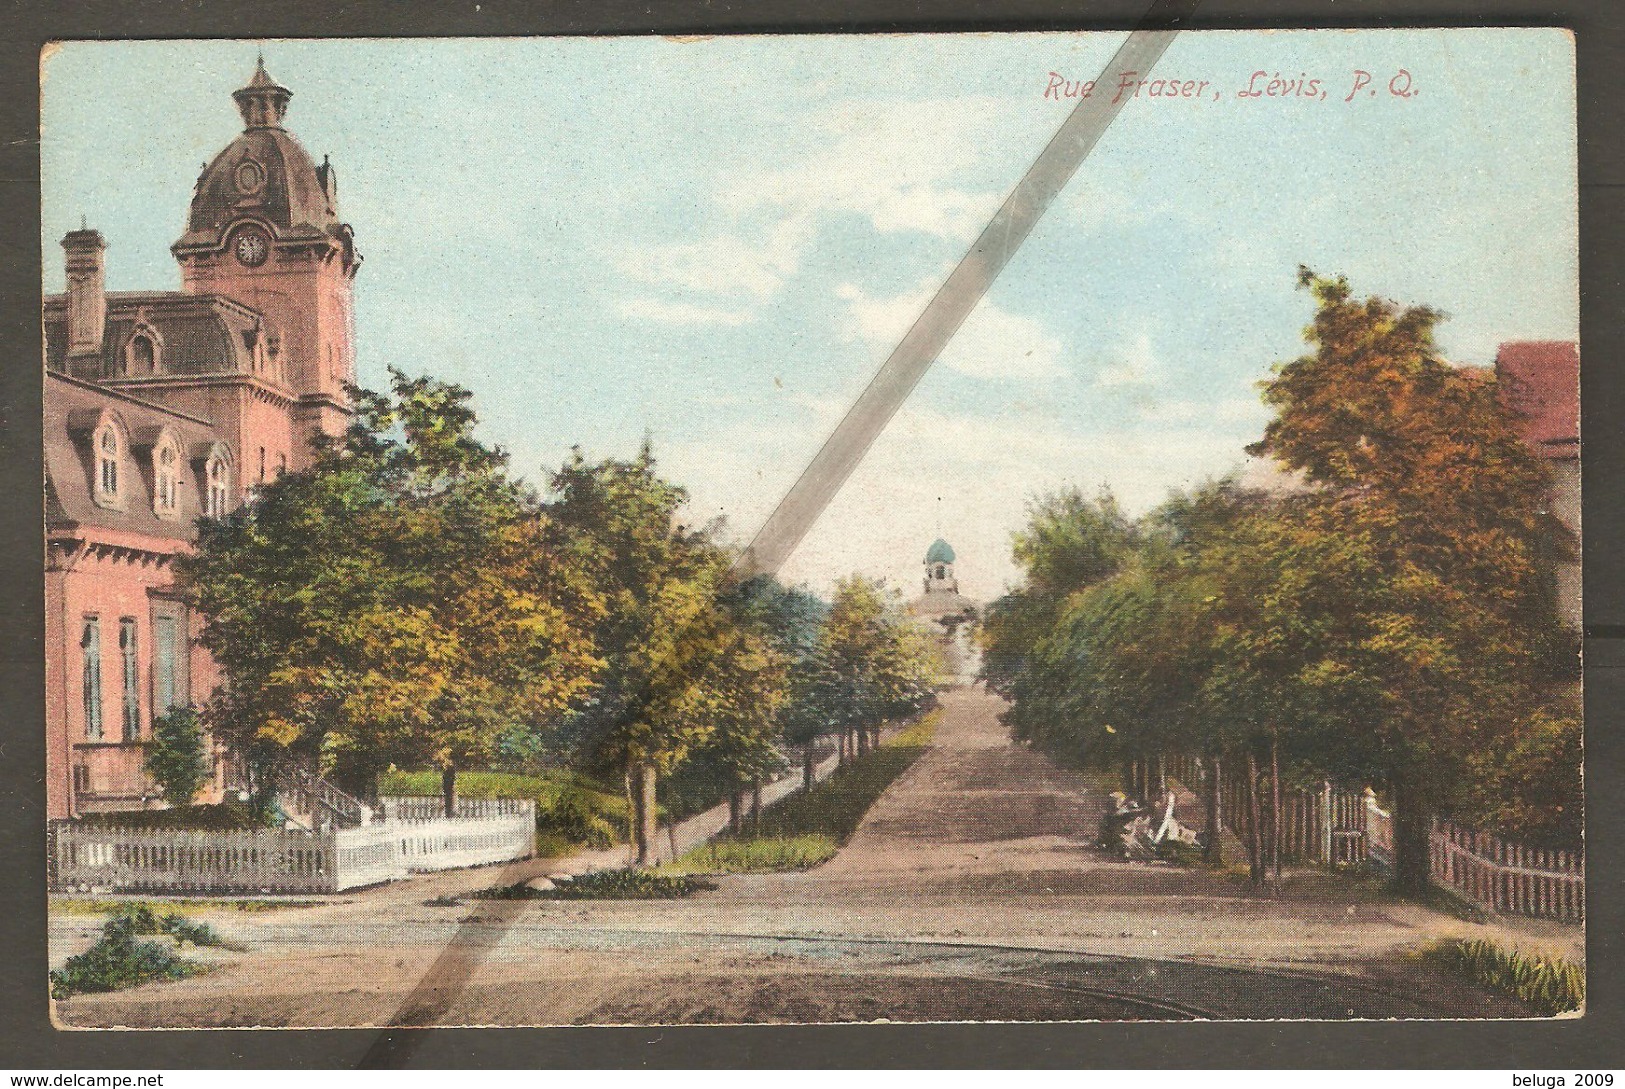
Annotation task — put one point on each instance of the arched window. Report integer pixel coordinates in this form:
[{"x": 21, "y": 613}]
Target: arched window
[
  {"x": 942, "y": 572},
  {"x": 107, "y": 459},
  {"x": 132, "y": 678},
  {"x": 219, "y": 488},
  {"x": 90, "y": 647},
  {"x": 166, "y": 464},
  {"x": 281, "y": 465}
]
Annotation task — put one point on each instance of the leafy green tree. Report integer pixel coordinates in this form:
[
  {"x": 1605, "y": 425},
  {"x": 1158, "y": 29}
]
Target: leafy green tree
[
  {"x": 1069, "y": 543},
  {"x": 791, "y": 619},
  {"x": 874, "y": 663},
  {"x": 673, "y": 658},
  {"x": 177, "y": 759},
  {"x": 1446, "y": 625},
  {"x": 403, "y": 600}
]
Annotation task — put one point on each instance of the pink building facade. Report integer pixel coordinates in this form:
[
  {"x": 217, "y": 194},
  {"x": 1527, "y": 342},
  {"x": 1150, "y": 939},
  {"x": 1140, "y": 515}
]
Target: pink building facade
[
  {"x": 165, "y": 407},
  {"x": 1539, "y": 380}
]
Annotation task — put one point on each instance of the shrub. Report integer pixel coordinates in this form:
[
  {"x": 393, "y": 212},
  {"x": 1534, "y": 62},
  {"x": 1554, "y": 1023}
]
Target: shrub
[
  {"x": 605, "y": 885},
  {"x": 224, "y": 817},
  {"x": 1547, "y": 985},
  {"x": 176, "y": 760},
  {"x": 1531, "y": 789},
  {"x": 118, "y": 960}
]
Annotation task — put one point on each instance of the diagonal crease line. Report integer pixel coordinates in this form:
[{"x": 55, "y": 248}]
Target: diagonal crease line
[
  {"x": 954, "y": 301},
  {"x": 448, "y": 977}
]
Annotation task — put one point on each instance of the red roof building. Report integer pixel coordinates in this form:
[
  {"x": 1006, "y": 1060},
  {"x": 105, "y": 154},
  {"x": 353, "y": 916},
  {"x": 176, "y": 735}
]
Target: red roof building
[{"x": 1539, "y": 380}]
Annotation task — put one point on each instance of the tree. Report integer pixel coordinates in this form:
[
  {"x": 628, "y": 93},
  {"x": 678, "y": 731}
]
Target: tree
[
  {"x": 791, "y": 619},
  {"x": 874, "y": 663},
  {"x": 662, "y": 635},
  {"x": 402, "y": 600},
  {"x": 1069, "y": 544},
  {"x": 1446, "y": 627},
  {"x": 177, "y": 759}
]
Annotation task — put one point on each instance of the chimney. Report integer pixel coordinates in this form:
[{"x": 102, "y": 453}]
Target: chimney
[{"x": 87, "y": 295}]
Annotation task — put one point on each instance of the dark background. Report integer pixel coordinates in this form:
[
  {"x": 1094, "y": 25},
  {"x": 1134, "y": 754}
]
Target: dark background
[{"x": 27, "y": 1038}]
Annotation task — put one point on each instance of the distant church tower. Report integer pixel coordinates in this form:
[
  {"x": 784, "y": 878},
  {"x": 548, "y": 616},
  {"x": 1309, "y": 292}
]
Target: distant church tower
[
  {"x": 939, "y": 568},
  {"x": 947, "y": 614}
]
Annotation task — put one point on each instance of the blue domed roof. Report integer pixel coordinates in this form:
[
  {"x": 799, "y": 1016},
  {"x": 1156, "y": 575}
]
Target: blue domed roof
[{"x": 940, "y": 552}]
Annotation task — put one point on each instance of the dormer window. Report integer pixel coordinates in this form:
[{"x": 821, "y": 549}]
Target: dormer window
[
  {"x": 219, "y": 487},
  {"x": 166, "y": 479},
  {"x": 143, "y": 356},
  {"x": 108, "y": 449},
  {"x": 141, "y": 351}
]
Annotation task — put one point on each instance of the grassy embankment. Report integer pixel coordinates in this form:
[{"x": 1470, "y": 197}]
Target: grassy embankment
[
  {"x": 806, "y": 829},
  {"x": 1548, "y": 985}
]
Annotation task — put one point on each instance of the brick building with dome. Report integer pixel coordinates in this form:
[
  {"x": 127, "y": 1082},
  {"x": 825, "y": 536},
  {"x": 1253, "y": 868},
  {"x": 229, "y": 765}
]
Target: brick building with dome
[{"x": 163, "y": 407}]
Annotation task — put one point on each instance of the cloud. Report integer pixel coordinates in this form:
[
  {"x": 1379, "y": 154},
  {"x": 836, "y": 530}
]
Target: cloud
[
  {"x": 901, "y": 165},
  {"x": 898, "y": 165},
  {"x": 682, "y": 313},
  {"x": 993, "y": 342},
  {"x": 727, "y": 264},
  {"x": 1137, "y": 365}
]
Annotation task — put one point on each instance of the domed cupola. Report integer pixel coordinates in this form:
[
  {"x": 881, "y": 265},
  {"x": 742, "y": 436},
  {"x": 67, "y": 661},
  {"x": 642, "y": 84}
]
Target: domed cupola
[
  {"x": 939, "y": 568},
  {"x": 263, "y": 176}
]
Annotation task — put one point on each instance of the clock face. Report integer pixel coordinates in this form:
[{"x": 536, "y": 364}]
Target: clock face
[{"x": 252, "y": 248}]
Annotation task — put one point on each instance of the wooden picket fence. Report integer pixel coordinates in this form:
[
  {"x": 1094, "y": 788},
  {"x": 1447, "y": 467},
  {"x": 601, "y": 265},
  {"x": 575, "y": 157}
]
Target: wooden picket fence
[
  {"x": 1509, "y": 878},
  {"x": 1336, "y": 826}
]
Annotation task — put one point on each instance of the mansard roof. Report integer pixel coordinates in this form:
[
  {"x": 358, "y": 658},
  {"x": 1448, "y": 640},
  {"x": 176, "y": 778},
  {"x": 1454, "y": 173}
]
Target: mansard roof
[
  {"x": 73, "y": 410},
  {"x": 195, "y": 334}
]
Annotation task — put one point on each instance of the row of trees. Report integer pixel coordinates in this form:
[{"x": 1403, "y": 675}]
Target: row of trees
[
  {"x": 1389, "y": 620},
  {"x": 407, "y": 601}
]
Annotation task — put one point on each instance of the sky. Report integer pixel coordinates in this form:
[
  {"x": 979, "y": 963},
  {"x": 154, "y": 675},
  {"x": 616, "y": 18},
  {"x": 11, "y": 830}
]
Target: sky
[{"x": 715, "y": 243}]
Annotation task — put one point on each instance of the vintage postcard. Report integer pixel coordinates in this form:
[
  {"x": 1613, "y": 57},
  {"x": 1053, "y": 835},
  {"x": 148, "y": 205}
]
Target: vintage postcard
[{"x": 787, "y": 529}]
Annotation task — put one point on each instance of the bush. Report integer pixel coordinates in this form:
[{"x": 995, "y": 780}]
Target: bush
[
  {"x": 1547, "y": 985},
  {"x": 1531, "y": 789},
  {"x": 118, "y": 960},
  {"x": 224, "y": 817},
  {"x": 605, "y": 885},
  {"x": 176, "y": 760}
]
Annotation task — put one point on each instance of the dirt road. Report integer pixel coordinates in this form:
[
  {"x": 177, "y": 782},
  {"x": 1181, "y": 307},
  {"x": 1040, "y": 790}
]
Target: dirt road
[{"x": 969, "y": 892}]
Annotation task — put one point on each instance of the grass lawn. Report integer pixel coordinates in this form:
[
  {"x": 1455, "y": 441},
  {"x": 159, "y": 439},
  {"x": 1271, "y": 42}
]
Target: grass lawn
[
  {"x": 81, "y": 905},
  {"x": 808, "y": 828},
  {"x": 571, "y": 810}
]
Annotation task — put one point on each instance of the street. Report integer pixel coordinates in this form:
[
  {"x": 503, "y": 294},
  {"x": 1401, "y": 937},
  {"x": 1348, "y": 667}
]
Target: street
[{"x": 970, "y": 892}]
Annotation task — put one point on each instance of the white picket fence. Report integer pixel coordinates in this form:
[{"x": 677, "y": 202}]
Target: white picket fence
[{"x": 414, "y": 836}]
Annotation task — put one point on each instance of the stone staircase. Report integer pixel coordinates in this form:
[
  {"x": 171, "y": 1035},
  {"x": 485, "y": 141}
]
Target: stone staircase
[{"x": 312, "y": 803}]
